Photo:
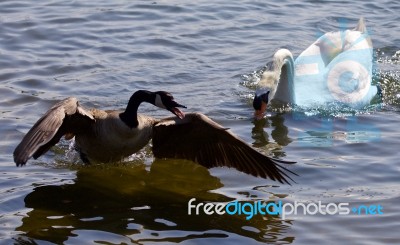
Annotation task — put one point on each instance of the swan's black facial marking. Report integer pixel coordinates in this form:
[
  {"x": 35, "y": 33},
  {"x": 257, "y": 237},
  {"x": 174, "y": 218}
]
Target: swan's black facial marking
[
  {"x": 261, "y": 95},
  {"x": 257, "y": 103},
  {"x": 260, "y": 103},
  {"x": 166, "y": 101}
]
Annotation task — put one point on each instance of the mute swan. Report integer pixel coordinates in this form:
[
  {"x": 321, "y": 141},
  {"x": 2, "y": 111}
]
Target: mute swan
[
  {"x": 107, "y": 136},
  {"x": 336, "y": 67}
]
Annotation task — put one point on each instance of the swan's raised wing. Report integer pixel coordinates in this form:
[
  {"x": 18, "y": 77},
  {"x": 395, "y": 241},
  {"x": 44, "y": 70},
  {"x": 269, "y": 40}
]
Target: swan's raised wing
[
  {"x": 65, "y": 117},
  {"x": 199, "y": 139}
]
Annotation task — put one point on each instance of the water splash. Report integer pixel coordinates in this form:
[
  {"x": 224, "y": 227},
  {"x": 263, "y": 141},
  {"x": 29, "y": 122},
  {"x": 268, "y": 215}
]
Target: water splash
[
  {"x": 252, "y": 80},
  {"x": 388, "y": 77},
  {"x": 65, "y": 155},
  {"x": 390, "y": 85},
  {"x": 382, "y": 57}
]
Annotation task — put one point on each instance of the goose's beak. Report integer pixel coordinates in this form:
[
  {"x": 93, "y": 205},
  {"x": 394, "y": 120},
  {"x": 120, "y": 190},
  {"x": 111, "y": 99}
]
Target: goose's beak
[
  {"x": 259, "y": 114},
  {"x": 178, "y": 112},
  {"x": 174, "y": 109}
]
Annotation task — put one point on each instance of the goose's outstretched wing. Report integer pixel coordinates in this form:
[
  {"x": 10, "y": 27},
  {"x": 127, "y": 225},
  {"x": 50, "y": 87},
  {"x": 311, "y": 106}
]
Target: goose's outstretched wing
[
  {"x": 199, "y": 139},
  {"x": 67, "y": 116}
]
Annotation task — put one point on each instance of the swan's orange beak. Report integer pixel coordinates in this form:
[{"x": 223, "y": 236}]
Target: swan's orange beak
[{"x": 259, "y": 114}]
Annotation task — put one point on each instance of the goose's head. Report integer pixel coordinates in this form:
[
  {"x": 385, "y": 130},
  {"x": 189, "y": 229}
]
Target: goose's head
[
  {"x": 260, "y": 102},
  {"x": 166, "y": 101}
]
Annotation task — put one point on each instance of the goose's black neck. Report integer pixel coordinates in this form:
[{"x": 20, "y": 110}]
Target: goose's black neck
[{"x": 129, "y": 116}]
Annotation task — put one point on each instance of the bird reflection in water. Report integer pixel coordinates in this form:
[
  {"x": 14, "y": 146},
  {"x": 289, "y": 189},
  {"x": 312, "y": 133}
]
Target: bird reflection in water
[
  {"x": 279, "y": 134},
  {"x": 138, "y": 205}
]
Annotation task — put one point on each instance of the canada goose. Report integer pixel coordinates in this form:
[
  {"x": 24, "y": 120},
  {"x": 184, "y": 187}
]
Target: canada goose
[
  {"x": 107, "y": 136},
  {"x": 336, "y": 67}
]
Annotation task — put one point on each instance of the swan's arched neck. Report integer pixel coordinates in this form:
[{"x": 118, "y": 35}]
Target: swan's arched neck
[{"x": 280, "y": 78}]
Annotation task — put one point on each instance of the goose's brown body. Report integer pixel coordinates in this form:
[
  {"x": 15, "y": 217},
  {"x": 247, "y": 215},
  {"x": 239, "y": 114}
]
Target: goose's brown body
[{"x": 110, "y": 139}]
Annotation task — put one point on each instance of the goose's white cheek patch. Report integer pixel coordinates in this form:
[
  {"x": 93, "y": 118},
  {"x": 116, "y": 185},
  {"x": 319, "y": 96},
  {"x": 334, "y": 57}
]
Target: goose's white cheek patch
[{"x": 158, "y": 102}]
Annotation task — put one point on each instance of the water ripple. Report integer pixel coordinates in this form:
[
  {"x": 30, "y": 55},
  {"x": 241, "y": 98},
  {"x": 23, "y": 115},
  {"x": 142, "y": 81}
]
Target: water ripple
[{"x": 210, "y": 55}]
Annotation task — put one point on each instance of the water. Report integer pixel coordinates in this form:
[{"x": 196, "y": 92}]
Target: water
[{"x": 203, "y": 52}]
